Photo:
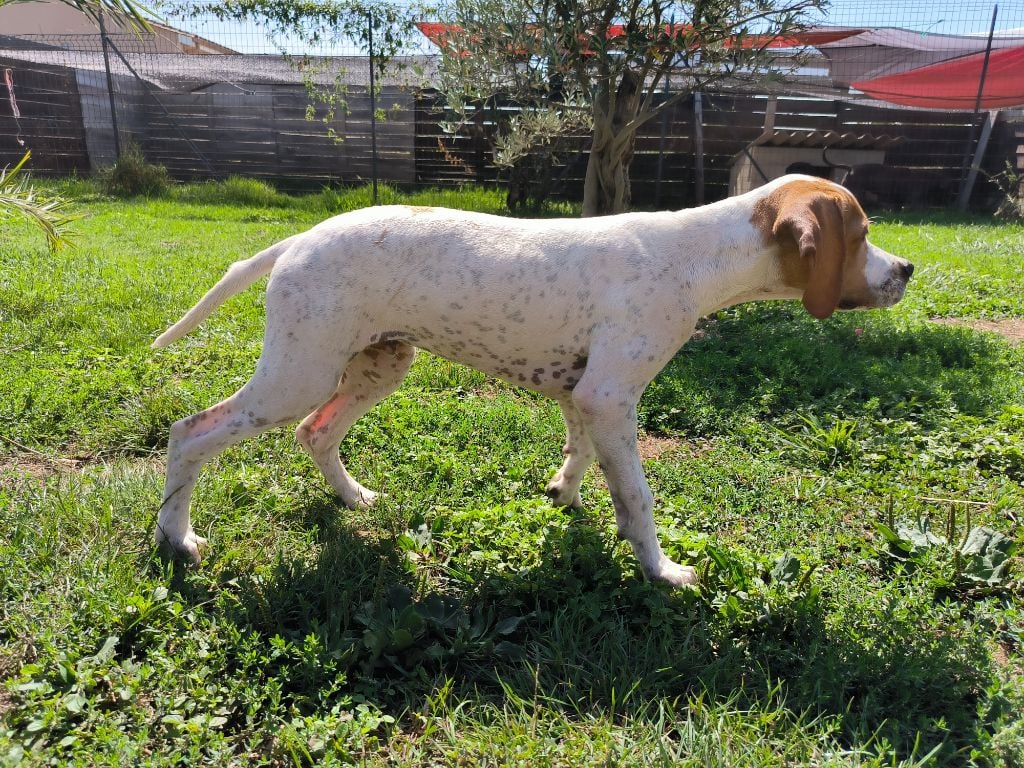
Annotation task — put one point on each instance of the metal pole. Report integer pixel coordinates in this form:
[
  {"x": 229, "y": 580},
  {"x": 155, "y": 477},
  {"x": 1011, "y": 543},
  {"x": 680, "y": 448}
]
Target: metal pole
[
  {"x": 698, "y": 146},
  {"x": 110, "y": 87},
  {"x": 661, "y": 143},
  {"x": 373, "y": 111},
  {"x": 965, "y": 189}
]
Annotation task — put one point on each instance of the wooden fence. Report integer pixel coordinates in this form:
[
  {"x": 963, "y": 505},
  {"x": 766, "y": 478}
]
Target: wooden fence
[
  {"x": 665, "y": 164},
  {"x": 50, "y": 122},
  {"x": 263, "y": 131}
]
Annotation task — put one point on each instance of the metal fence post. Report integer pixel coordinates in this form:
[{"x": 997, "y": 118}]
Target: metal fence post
[
  {"x": 110, "y": 86},
  {"x": 373, "y": 109},
  {"x": 698, "y": 147},
  {"x": 967, "y": 173},
  {"x": 661, "y": 143}
]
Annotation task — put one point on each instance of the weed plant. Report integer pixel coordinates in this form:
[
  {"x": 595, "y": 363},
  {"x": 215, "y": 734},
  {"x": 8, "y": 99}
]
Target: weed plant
[{"x": 133, "y": 175}]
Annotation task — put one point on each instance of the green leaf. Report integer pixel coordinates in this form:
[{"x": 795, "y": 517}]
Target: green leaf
[
  {"x": 75, "y": 702},
  {"x": 786, "y": 569},
  {"x": 106, "y": 653},
  {"x": 400, "y": 640},
  {"x": 510, "y": 651},
  {"x": 986, "y": 554},
  {"x": 890, "y": 536},
  {"x": 909, "y": 540},
  {"x": 509, "y": 625},
  {"x": 918, "y": 535}
]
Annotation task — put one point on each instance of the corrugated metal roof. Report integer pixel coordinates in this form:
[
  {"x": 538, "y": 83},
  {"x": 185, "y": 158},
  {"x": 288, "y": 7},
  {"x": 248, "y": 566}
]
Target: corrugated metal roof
[
  {"x": 825, "y": 140},
  {"x": 192, "y": 72}
]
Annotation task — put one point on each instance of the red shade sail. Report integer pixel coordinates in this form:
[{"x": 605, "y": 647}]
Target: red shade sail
[
  {"x": 442, "y": 35},
  {"x": 954, "y": 84}
]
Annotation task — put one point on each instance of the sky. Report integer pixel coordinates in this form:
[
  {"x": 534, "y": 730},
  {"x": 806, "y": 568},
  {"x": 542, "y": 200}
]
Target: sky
[{"x": 955, "y": 17}]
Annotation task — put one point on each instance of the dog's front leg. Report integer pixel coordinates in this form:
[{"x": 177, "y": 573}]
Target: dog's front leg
[{"x": 608, "y": 409}]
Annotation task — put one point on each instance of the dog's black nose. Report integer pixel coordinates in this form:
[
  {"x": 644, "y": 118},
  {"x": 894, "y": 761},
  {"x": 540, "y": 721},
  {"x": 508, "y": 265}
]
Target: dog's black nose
[{"x": 908, "y": 270}]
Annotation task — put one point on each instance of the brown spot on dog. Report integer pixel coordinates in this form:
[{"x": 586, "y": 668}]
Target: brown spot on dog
[{"x": 385, "y": 336}]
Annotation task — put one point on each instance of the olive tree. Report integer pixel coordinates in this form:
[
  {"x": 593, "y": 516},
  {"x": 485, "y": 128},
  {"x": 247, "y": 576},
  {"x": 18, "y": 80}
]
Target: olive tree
[{"x": 601, "y": 66}]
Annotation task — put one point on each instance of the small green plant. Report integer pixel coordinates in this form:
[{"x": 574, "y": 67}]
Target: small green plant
[
  {"x": 1011, "y": 185},
  {"x": 826, "y": 446},
  {"x": 131, "y": 175},
  {"x": 239, "y": 190},
  {"x": 403, "y": 634},
  {"x": 981, "y": 560}
]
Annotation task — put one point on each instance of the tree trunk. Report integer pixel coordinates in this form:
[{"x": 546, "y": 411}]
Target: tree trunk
[{"x": 606, "y": 189}]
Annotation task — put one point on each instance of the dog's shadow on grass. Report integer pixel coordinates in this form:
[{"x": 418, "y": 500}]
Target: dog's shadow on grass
[
  {"x": 772, "y": 360},
  {"x": 584, "y": 634}
]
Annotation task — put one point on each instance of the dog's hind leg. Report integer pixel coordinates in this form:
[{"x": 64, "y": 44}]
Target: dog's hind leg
[
  {"x": 372, "y": 375},
  {"x": 564, "y": 488},
  {"x": 279, "y": 392}
]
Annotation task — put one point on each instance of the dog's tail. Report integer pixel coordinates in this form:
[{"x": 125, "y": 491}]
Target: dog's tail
[{"x": 239, "y": 276}]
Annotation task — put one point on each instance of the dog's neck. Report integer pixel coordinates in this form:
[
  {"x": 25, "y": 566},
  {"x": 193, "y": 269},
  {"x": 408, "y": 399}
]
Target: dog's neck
[{"x": 732, "y": 263}]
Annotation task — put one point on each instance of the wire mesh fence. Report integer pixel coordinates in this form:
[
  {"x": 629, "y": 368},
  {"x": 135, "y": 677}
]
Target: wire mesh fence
[{"x": 931, "y": 89}]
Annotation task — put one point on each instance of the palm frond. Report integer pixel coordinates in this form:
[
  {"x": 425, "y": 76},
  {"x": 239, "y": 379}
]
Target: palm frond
[
  {"x": 49, "y": 213},
  {"x": 126, "y": 10}
]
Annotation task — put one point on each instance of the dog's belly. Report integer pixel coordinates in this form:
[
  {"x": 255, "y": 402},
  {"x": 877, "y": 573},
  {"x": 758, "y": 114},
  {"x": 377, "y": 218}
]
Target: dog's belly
[
  {"x": 537, "y": 359},
  {"x": 557, "y": 371}
]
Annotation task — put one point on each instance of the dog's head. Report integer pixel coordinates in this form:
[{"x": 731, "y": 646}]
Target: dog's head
[{"x": 821, "y": 232}]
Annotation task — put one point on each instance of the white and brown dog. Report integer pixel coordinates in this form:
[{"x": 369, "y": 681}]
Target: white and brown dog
[{"x": 586, "y": 311}]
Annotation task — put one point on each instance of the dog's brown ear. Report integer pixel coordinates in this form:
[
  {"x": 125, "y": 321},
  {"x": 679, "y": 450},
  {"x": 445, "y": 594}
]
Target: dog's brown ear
[{"x": 814, "y": 222}]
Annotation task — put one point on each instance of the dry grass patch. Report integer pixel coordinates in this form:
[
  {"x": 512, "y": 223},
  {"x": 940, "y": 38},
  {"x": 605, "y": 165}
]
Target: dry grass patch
[
  {"x": 653, "y": 447},
  {"x": 15, "y": 470}
]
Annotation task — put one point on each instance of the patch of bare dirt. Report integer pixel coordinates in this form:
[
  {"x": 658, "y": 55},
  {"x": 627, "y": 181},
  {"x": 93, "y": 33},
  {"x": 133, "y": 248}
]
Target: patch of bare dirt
[
  {"x": 8, "y": 667},
  {"x": 27, "y": 466},
  {"x": 32, "y": 466},
  {"x": 1010, "y": 328},
  {"x": 653, "y": 447},
  {"x": 1006, "y": 659},
  {"x": 39, "y": 467}
]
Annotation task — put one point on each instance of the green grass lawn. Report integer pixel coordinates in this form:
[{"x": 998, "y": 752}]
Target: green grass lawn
[{"x": 822, "y": 477}]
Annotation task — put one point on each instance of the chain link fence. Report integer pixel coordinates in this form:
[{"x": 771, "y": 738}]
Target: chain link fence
[{"x": 928, "y": 89}]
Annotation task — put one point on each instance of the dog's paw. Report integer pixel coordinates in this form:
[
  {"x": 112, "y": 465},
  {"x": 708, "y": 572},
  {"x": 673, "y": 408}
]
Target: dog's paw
[
  {"x": 360, "y": 498},
  {"x": 674, "y": 574},
  {"x": 189, "y": 548},
  {"x": 562, "y": 497}
]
